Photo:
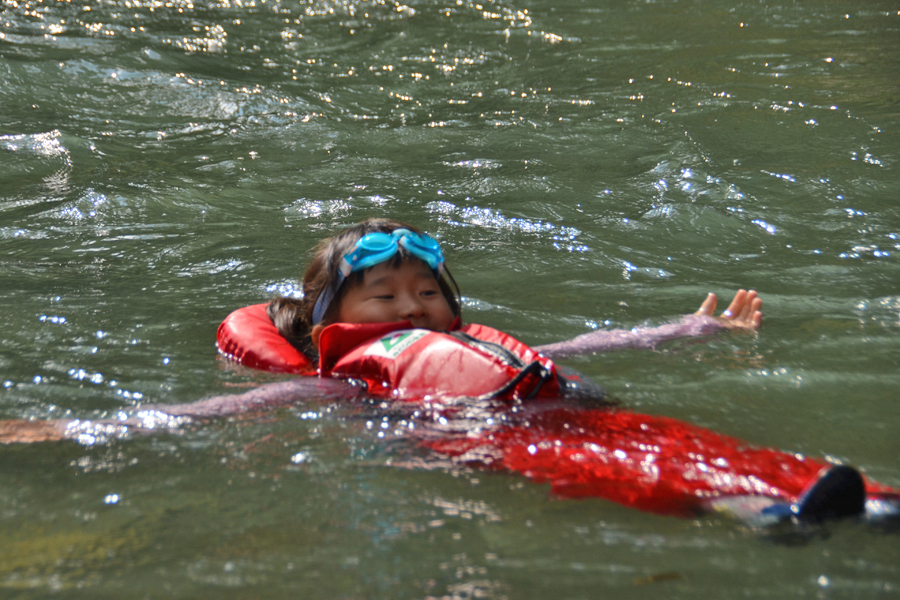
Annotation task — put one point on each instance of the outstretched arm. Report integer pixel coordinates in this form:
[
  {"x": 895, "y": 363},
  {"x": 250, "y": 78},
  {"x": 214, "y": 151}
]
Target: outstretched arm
[{"x": 744, "y": 312}]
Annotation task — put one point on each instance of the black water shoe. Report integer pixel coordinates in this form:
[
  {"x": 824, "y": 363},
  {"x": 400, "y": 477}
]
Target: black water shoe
[{"x": 838, "y": 492}]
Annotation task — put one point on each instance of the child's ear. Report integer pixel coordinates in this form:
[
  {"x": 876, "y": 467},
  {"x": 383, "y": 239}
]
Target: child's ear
[{"x": 315, "y": 332}]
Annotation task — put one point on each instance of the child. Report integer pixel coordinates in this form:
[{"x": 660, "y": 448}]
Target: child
[{"x": 381, "y": 310}]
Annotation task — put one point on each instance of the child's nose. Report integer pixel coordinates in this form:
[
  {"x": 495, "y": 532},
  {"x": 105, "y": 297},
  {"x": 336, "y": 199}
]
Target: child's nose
[{"x": 412, "y": 307}]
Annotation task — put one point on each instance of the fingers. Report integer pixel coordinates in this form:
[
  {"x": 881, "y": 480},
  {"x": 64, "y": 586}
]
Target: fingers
[
  {"x": 744, "y": 312},
  {"x": 747, "y": 308},
  {"x": 709, "y": 305},
  {"x": 737, "y": 306},
  {"x": 756, "y": 312},
  {"x": 757, "y": 319},
  {"x": 751, "y": 312}
]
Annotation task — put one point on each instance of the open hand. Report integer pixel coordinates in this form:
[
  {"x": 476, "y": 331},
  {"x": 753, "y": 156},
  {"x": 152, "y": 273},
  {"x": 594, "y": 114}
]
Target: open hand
[{"x": 744, "y": 312}]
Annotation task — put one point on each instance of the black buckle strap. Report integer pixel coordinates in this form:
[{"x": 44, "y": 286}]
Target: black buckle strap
[
  {"x": 535, "y": 368},
  {"x": 508, "y": 357},
  {"x": 503, "y": 353}
]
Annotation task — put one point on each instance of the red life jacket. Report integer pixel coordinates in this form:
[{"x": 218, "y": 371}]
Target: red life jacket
[
  {"x": 249, "y": 337},
  {"x": 397, "y": 359},
  {"x": 470, "y": 361}
]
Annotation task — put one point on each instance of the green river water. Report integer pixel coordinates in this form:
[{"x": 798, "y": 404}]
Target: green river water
[{"x": 585, "y": 164}]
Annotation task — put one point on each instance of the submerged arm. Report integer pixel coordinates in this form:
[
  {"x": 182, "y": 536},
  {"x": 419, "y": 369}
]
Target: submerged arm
[
  {"x": 270, "y": 394},
  {"x": 168, "y": 417},
  {"x": 744, "y": 312}
]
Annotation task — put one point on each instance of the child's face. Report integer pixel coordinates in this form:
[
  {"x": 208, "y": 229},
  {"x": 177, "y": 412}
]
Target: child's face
[{"x": 389, "y": 294}]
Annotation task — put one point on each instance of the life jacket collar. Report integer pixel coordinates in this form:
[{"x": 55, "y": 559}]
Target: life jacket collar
[{"x": 338, "y": 339}]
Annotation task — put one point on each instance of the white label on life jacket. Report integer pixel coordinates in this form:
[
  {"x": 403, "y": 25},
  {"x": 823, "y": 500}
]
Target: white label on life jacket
[{"x": 391, "y": 345}]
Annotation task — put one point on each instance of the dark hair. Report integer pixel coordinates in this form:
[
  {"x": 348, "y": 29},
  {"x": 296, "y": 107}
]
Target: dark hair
[{"x": 293, "y": 317}]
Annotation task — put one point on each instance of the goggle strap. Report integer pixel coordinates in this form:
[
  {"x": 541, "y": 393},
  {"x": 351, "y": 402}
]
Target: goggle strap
[
  {"x": 322, "y": 305},
  {"x": 325, "y": 298}
]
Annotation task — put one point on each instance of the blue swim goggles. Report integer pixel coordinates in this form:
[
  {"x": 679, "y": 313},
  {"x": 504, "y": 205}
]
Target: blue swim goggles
[{"x": 375, "y": 248}]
